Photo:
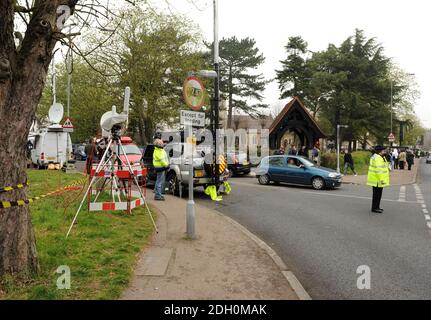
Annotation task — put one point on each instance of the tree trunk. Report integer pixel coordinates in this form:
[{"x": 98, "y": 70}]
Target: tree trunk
[{"x": 20, "y": 92}]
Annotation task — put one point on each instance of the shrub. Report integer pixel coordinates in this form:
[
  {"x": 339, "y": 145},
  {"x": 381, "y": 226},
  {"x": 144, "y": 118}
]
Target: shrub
[{"x": 360, "y": 158}]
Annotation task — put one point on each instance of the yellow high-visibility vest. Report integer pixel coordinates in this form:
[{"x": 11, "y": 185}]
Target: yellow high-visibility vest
[
  {"x": 378, "y": 172},
  {"x": 160, "y": 158}
]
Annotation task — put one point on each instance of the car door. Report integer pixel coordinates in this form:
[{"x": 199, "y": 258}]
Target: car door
[
  {"x": 295, "y": 173},
  {"x": 278, "y": 169}
]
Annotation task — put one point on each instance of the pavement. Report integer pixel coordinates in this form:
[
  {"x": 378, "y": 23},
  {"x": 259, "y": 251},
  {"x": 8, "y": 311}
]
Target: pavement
[
  {"x": 224, "y": 262},
  {"x": 398, "y": 177}
]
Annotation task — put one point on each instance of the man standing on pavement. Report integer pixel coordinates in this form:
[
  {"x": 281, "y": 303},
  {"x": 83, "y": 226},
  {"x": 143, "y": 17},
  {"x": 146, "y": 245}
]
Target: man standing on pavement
[
  {"x": 395, "y": 155},
  {"x": 402, "y": 159},
  {"x": 410, "y": 159},
  {"x": 303, "y": 152},
  {"x": 161, "y": 165},
  {"x": 90, "y": 151},
  {"x": 378, "y": 177},
  {"x": 348, "y": 163}
]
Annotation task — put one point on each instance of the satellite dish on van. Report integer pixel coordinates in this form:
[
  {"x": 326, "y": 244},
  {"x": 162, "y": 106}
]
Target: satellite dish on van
[
  {"x": 56, "y": 113},
  {"x": 111, "y": 118}
]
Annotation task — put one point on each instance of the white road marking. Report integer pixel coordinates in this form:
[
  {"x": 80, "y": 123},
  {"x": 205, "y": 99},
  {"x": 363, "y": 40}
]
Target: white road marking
[
  {"x": 354, "y": 197},
  {"x": 402, "y": 196},
  {"x": 420, "y": 198}
]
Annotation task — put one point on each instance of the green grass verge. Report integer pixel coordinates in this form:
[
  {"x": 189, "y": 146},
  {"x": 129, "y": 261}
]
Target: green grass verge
[{"x": 101, "y": 251}]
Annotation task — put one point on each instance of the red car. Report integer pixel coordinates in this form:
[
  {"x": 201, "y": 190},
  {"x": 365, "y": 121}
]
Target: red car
[{"x": 133, "y": 153}]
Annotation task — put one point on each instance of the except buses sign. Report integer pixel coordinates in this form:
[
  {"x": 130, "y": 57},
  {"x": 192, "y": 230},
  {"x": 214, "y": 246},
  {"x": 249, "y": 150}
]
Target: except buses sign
[{"x": 194, "y": 93}]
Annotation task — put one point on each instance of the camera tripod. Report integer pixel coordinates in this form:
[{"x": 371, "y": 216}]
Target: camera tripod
[{"x": 106, "y": 161}]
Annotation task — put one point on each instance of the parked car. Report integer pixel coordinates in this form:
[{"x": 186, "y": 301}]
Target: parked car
[
  {"x": 178, "y": 173},
  {"x": 79, "y": 152},
  {"x": 133, "y": 153},
  {"x": 428, "y": 160},
  {"x": 297, "y": 171},
  {"x": 238, "y": 163}
]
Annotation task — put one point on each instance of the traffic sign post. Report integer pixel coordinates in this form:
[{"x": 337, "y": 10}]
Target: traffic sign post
[
  {"x": 67, "y": 125},
  {"x": 194, "y": 95},
  {"x": 191, "y": 118}
]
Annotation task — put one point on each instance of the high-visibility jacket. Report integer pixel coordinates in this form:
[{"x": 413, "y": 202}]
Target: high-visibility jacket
[
  {"x": 160, "y": 158},
  {"x": 378, "y": 172}
]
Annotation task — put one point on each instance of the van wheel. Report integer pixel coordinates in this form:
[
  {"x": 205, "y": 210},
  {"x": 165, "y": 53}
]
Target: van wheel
[
  {"x": 173, "y": 183},
  {"x": 264, "y": 180},
  {"x": 318, "y": 183}
]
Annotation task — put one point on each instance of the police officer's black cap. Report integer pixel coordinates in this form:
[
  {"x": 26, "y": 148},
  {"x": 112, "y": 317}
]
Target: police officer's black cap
[{"x": 379, "y": 148}]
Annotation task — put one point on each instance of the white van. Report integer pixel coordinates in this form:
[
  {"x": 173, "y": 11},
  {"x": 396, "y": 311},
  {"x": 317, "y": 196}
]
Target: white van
[{"x": 50, "y": 146}]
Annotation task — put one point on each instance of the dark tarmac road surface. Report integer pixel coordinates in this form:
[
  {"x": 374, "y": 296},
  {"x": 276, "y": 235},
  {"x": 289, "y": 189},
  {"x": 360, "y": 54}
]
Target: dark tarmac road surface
[{"x": 324, "y": 236}]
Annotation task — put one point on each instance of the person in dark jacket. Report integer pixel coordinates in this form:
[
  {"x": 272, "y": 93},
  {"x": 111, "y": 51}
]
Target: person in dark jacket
[
  {"x": 293, "y": 151},
  {"x": 303, "y": 152},
  {"x": 348, "y": 163},
  {"x": 410, "y": 159},
  {"x": 279, "y": 152},
  {"x": 90, "y": 151}
]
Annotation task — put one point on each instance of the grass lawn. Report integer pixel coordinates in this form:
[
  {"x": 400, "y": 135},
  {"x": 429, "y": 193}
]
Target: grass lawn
[{"x": 100, "y": 252}]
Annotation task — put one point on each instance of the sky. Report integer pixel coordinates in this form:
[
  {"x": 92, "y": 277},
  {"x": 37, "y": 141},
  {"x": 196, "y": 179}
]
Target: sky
[{"x": 399, "y": 26}]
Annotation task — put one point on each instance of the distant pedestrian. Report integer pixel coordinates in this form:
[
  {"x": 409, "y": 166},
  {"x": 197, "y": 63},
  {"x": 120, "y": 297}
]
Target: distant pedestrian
[
  {"x": 279, "y": 152},
  {"x": 91, "y": 153},
  {"x": 303, "y": 152},
  {"x": 402, "y": 159},
  {"x": 378, "y": 177},
  {"x": 395, "y": 156},
  {"x": 161, "y": 165},
  {"x": 293, "y": 151},
  {"x": 315, "y": 155},
  {"x": 348, "y": 163},
  {"x": 410, "y": 159}
]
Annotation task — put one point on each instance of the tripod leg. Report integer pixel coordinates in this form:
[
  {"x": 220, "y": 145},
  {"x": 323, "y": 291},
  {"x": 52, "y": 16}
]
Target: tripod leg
[
  {"x": 137, "y": 184},
  {"x": 89, "y": 187}
]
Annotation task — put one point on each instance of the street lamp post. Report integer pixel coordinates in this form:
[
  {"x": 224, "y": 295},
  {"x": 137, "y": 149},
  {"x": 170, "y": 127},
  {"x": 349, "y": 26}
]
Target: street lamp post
[
  {"x": 338, "y": 145},
  {"x": 216, "y": 92},
  {"x": 190, "y": 214}
]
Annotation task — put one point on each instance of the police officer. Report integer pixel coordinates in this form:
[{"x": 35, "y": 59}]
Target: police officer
[
  {"x": 378, "y": 176},
  {"x": 161, "y": 165}
]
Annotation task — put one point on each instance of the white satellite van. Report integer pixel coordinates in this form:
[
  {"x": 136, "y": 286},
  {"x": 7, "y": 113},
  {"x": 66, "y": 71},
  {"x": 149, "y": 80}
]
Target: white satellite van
[
  {"x": 50, "y": 144},
  {"x": 50, "y": 147}
]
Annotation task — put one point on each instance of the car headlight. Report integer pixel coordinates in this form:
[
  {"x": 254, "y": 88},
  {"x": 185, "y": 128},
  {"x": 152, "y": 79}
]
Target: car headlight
[{"x": 333, "y": 175}]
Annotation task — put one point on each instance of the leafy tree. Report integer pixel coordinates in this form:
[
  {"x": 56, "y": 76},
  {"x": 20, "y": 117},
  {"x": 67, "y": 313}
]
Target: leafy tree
[
  {"x": 237, "y": 81},
  {"x": 153, "y": 54},
  {"x": 92, "y": 94},
  {"x": 294, "y": 77},
  {"x": 26, "y": 50},
  {"x": 349, "y": 84}
]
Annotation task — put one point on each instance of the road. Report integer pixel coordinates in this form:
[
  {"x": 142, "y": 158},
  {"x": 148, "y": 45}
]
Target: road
[{"x": 325, "y": 236}]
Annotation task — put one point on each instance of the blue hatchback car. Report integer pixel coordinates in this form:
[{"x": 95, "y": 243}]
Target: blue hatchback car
[{"x": 297, "y": 171}]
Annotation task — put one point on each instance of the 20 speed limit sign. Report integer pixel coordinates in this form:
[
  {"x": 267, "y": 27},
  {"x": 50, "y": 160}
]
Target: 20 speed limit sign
[{"x": 194, "y": 93}]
